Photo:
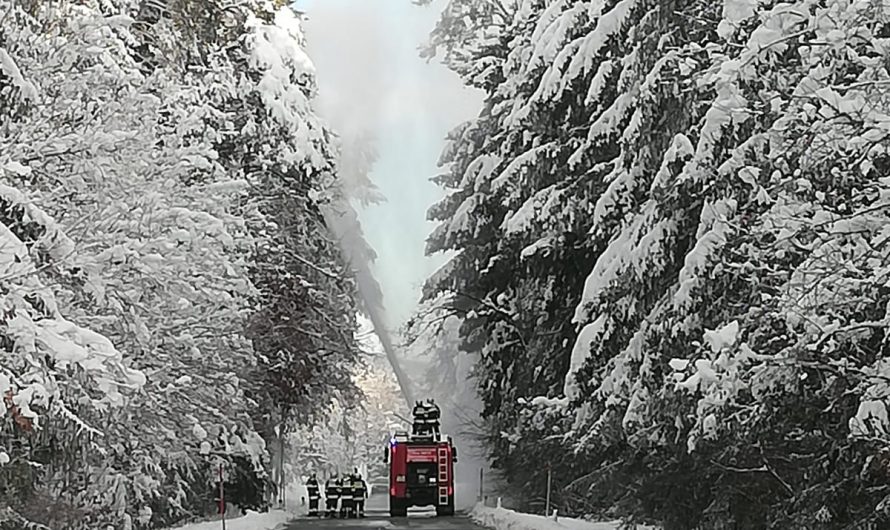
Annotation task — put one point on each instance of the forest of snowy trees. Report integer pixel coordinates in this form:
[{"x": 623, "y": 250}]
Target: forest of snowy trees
[
  {"x": 669, "y": 275},
  {"x": 170, "y": 293},
  {"x": 670, "y": 227}
]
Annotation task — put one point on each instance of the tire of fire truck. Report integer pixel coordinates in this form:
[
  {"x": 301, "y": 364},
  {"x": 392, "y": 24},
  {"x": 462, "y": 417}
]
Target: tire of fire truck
[
  {"x": 397, "y": 507},
  {"x": 447, "y": 510}
]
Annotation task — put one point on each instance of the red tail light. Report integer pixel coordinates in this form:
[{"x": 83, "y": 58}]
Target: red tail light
[
  {"x": 392, "y": 491},
  {"x": 450, "y": 490}
]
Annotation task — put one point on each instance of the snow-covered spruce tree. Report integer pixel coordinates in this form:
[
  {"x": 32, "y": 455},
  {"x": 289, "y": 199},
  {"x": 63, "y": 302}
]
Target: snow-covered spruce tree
[
  {"x": 304, "y": 329},
  {"x": 54, "y": 374},
  {"x": 260, "y": 87},
  {"x": 516, "y": 213},
  {"x": 799, "y": 264},
  {"x": 160, "y": 281},
  {"x": 772, "y": 179},
  {"x": 52, "y": 371},
  {"x": 734, "y": 154},
  {"x": 169, "y": 283}
]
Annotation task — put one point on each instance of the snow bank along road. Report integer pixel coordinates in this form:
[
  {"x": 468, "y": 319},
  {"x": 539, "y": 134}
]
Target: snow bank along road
[{"x": 501, "y": 519}]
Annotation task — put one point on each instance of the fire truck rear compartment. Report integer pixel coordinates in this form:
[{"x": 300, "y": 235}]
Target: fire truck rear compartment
[{"x": 421, "y": 483}]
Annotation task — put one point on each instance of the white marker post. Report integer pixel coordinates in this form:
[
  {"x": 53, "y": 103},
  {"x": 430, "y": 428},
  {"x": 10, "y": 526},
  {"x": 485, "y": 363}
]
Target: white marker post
[
  {"x": 481, "y": 482},
  {"x": 549, "y": 482},
  {"x": 222, "y": 496}
]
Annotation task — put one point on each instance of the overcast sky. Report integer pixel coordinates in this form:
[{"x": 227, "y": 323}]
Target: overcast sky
[{"x": 371, "y": 77}]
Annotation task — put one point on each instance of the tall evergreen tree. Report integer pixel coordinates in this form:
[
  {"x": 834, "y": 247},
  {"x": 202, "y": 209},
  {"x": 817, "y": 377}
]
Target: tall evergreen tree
[
  {"x": 709, "y": 179},
  {"x": 176, "y": 148}
]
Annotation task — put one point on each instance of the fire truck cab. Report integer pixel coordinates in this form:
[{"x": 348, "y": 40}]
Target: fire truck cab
[{"x": 421, "y": 473}]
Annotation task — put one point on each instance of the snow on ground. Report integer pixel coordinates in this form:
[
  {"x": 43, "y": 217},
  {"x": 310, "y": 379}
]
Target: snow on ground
[
  {"x": 296, "y": 498},
  {"x": 504, "y": 519},
  {"x": 251, "y": 521}
]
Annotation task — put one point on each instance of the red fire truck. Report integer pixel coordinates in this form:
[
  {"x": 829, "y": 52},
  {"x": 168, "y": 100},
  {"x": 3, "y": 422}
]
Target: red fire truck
[{"x": 421, "y": 473}]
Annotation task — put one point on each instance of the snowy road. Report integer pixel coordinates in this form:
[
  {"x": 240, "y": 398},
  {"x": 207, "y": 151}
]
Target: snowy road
[
  {"x": 378, "y": 519},
  {"x": 381, "y": 521}
]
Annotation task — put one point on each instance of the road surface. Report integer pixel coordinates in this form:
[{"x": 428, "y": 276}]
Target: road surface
[{"x": 378, "y": 519}]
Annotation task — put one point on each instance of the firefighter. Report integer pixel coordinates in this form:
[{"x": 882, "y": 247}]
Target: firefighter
[
  {"x": 314, "y": 496},
  {"x": 419, "y": 414},
  {"x": 424, "y": 419},
  {"x": 359, "y": 494},
  {"x": 332, "y": 494},
  {"x": 433, "y": 417},
  {"x": 346, "y": 504}
]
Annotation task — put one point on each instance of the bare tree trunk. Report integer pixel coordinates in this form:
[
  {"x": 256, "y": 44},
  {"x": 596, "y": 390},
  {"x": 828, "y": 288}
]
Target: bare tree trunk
[{"x": 282, "y": 484}]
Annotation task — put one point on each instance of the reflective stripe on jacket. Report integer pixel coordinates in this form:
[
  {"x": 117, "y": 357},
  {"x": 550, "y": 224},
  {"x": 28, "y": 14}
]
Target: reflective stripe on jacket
[{"x": 332, "y": 491}]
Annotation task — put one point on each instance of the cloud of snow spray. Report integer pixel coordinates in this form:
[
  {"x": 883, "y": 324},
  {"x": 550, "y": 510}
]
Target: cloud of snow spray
[
  {"x": 373, "y": 88},
  {"x": 356, "y": 77},
  {"x": 357, "y": 81}
]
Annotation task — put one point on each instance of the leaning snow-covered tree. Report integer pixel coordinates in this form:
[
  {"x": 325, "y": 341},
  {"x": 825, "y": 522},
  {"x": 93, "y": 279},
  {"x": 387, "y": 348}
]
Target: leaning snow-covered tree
[{"x": 306, "y": 292}]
